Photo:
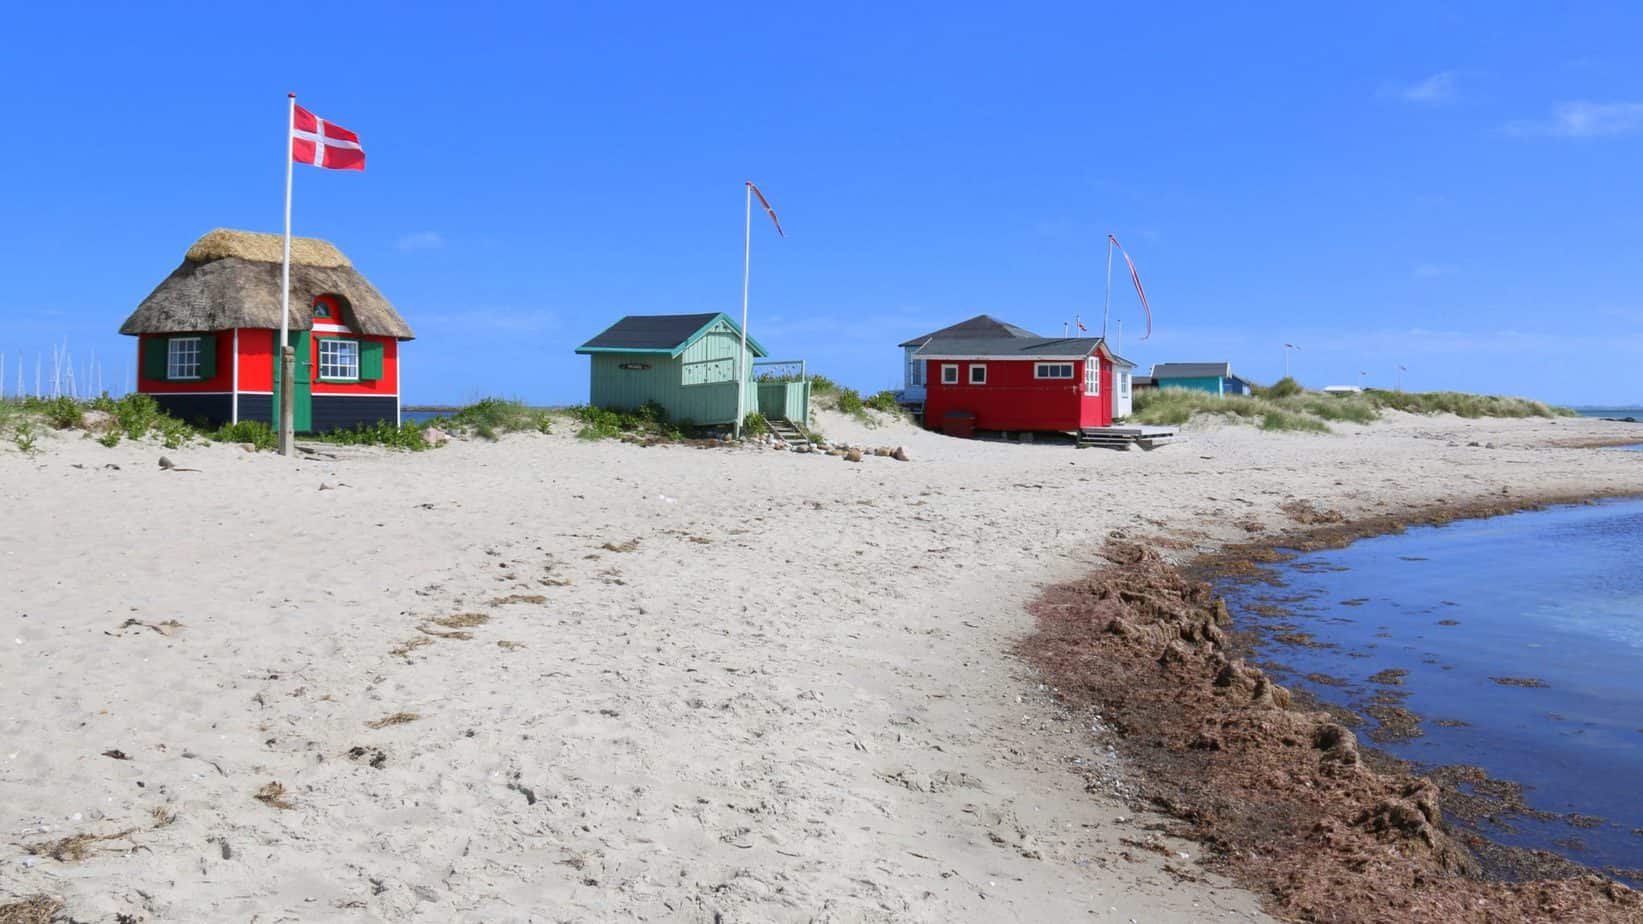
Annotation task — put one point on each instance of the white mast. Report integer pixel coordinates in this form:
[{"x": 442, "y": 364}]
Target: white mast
[{"x": 741, "y": 357}]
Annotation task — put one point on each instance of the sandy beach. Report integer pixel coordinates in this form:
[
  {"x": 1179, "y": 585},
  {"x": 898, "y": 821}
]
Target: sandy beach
[{"x": 546, "y": 679}]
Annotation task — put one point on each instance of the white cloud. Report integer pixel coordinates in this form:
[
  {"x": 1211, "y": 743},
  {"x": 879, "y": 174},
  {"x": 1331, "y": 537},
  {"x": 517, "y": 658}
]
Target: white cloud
[
  {"x": 1436, "y": 90},
  {"x": 421, "y": 240},
  {"x": 1584, "y": 119}
]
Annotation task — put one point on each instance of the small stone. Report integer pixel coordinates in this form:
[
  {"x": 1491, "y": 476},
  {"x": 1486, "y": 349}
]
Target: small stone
[{"x": 853, "y": 455}]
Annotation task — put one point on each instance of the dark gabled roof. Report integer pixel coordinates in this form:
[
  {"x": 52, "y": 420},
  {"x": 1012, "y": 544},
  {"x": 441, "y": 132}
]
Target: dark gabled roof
[
  {"x": 660, "y": 333},
  {"x": 1010, "y": 347},
  {"x": 982, "y": 326},
  {"x": 1191, "y": 370}
]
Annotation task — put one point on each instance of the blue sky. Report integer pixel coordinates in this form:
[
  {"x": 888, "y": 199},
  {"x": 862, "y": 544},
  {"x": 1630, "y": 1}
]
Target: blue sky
[{"x": 1451, "y": 187}]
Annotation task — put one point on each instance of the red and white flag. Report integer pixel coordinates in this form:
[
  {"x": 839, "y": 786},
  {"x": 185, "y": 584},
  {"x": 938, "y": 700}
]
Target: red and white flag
[
  {"x": 324, "y": 144},
  {"x": 1135, "y": 278},
  {"x": 768, "y": 210}
]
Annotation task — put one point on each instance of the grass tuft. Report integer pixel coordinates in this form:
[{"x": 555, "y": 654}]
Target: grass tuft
[{"x": 489, "y": 418}]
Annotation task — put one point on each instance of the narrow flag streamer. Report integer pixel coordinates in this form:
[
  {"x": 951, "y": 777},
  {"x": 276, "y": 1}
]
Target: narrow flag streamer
[
  {"x": 1135, "y": 278},
  {"x": 325, "y": 144},
  {"x": 768, "y": 210}
]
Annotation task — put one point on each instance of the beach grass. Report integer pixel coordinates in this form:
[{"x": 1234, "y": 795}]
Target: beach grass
[
  {"x": 489, "y": 418},
  {"x": 1286, "y": 406}
]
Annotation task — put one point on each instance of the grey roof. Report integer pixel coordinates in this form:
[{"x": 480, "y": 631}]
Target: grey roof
[
  {"x": 650, "y": 331},
  {"x": 1010, "y": 347},
  {"x": 1190, "y": 370},
  {"x": 659, "y": 333},
  {"x": 982, "y": 326},
  {"x": 1141, "y": 381}
]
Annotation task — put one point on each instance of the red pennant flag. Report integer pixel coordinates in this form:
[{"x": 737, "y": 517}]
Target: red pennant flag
[
  {"x": 1135, "y": 278},
  {"x": 768, "y": 210},
  {"x": 324, "y": 144}
]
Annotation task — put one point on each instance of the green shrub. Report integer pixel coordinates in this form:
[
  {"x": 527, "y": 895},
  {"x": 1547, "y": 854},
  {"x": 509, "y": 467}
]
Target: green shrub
[
  {"x": 884, "y": 401},
  {"x": 62, "y": 412},
  {"x": 23, "y": 436},
  {"x": 254, "y": 432},
  {"x": 408, "y": 436},
  {"x": 754, "y": 424},
  {"x": 600, "y": 423},
  {"x": 850, "y": 401},
  {"x": 110, "y": 439}
]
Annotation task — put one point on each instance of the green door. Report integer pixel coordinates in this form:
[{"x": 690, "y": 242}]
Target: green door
[{"x": 303, "y": 406}]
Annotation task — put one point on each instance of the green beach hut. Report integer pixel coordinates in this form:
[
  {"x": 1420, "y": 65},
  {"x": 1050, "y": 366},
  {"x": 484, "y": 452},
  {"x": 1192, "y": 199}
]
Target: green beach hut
[{"x": 687, "y": 364}]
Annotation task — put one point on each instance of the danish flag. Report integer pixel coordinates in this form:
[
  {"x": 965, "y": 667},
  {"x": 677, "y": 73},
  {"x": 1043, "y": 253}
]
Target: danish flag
[{"x": 324, "y": 144}]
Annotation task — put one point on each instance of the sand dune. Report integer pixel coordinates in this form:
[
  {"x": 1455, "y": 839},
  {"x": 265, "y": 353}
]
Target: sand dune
[{"x": 621, "y": 683}]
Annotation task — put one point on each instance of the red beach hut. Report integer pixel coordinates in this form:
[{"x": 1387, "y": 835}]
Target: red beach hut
[
  {"x": 1023, "y": 384},
  {"x": 206, "y": 336}
]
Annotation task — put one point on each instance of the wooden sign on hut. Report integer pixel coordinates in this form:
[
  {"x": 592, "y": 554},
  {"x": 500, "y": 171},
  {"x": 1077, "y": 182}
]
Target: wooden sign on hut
[{"x": 206, "y": 336}]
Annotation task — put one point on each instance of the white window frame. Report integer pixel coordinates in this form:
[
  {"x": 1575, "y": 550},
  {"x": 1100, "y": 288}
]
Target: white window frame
[
  {"x": 1051, "y": 370},
  {"x": 182, "y": 359},
  {"x": 915, "y": 372},
  {"x": 981, "y": 368},
  {"x": 1092, "y": 377},
  {"x": 333, "y": 370},
  {"x": 947, "y": 379},
  {"x": 1123, "y": 384}
]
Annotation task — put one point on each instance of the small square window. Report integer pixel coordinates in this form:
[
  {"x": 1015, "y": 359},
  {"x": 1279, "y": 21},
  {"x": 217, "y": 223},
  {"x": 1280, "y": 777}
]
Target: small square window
[
  {"x": 182, "y": 358},
  {"x": 949, "y": 375},
  {"x": 978, "y": 374},
  {"x": 339, "y": 360}
]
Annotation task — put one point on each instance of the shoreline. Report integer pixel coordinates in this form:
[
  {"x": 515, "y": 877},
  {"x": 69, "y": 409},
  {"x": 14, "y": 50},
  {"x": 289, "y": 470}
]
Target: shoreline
[{"x": 1244, "y": 765}]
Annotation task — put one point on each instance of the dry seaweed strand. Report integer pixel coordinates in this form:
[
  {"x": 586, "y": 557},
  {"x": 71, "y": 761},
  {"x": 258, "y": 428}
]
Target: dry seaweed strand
[
  {"x": 519, "y": 598},
  {"x": 36, "y": 909},
  {"x": 409, "y": 645},
  {"x": 273, "y": 794},
  {"x": 1280, "y": 795},
  {"x": 440, "y": 633},
  {"x": 398, "y": 718},
  {"x": 462, "y": 620},
  {"x": 74, "y": 848}
]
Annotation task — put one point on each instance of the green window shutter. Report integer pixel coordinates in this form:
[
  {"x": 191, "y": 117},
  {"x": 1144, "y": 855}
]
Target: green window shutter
[
  {"x": 208, "y": 356},
  {"x": 370, "y": 360},
  {"x": 154, "y": 357}
]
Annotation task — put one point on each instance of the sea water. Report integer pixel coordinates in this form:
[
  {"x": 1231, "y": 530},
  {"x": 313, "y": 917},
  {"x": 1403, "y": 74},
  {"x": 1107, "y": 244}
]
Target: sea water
[{"x": 1522, "y": 636}]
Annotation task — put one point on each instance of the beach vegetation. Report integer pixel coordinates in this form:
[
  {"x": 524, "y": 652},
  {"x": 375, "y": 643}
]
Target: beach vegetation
[
  {"x": 1286, "y": 406},
  {"x": 489, "y": 418},
  {"x": 408, "y": 436},
  {"x": 23, "y": 436},
  {"x": 1462, "y": 404},
  {"x": 1285, "y": 387},
  {"x": 254, "y": 433},
  {"x": 754, "y": 424},
  {"x": 650, "y": 419},
  {"x": 885, "y": 402}
]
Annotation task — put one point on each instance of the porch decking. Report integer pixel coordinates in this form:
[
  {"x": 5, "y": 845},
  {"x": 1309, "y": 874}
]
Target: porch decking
[{"x": 1123, "y": 437}]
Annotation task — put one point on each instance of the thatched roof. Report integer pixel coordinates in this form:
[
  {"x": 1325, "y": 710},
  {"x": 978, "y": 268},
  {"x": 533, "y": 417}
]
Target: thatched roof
[{"x": 231, "y": 279}]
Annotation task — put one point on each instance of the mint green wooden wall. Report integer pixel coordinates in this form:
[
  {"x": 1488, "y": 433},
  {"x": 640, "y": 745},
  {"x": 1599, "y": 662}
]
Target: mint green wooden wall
[
  {"x": 789, "y": 400},
  {"x": 1209, "y": 383},
  {"x": 698, "y": 386}
]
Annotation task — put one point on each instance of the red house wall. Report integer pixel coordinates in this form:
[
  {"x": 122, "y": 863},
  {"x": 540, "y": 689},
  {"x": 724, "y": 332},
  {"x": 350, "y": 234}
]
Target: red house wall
[
  {"x": 222, "y": 382},
  {"x": 388, "y": 385},
  {"x": 1013, "y": 399},
  {"x": 256, "y": 367}
]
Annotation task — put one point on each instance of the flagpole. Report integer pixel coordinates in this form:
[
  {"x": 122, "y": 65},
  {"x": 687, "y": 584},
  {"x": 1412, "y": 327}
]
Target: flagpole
[
  {"x": 288, "y": 356},
  {"x": 1106, "y": 304},
  {"x": 741, "y": 357}
]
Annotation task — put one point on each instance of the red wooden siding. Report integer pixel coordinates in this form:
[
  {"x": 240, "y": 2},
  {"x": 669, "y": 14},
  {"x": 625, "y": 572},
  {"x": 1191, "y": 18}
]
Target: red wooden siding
[
  {"x": 222, "y": 381},
  {"x": 256, "y": 365},
  {"x": 1012, "y": 399}
]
